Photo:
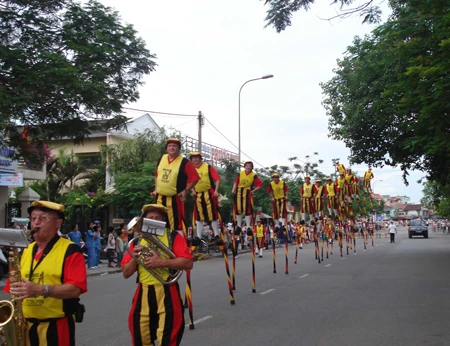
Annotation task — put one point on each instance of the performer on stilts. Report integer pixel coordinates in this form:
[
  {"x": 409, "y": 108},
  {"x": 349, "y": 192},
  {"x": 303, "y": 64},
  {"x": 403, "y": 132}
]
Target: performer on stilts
[
  {"x": 245, "y": 185},
  {"x": 205, "y": 193},
  {"x": 278, "y": 191},
  {"x": 306, "y": 195},
  {"x": 368, "y": 176},
  {"x": 330, "y": 191},
  {"x": 318, "y": 192}
]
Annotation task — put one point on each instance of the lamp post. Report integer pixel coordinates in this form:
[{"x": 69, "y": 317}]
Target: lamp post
[
  {"x": 374, "y": 184},
  {"x": 239, "y": 117}
]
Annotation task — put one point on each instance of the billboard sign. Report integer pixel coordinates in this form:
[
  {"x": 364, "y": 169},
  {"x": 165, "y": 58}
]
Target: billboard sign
[
  {"x": 9, "y": 179},
  {"x": 211, "y": 154},
  {"x": 7, "y": 163}
]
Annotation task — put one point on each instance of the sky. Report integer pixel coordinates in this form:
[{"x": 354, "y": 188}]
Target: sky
[{"x": 206, "y": 50}]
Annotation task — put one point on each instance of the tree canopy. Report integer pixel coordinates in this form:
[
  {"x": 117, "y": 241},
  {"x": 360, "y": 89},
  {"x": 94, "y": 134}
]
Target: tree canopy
[
  {"x": 389, "y": 98},
  {"x": 279, "y": 14},
  {"x": 64, "y": 64}
]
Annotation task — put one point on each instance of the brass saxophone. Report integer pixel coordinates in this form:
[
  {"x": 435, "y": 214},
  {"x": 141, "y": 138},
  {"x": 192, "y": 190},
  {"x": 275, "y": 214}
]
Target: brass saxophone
[{"x": 12, "y": 322}]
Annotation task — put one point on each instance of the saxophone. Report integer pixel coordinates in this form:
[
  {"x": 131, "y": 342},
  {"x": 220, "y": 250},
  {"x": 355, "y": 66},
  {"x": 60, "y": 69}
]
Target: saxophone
[{"x": 12, "y": 322}]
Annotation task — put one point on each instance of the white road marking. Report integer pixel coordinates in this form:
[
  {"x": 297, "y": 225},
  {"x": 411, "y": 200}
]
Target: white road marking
[
  {"x": 199, "y": 321},
  {"x": 268, "y": 291},
  {"x": 364, "y": 250},
  {"x": 343, "y": 258},
  {"x": 355, "y": 254},
  {"x": 327, "y": 265},
  {"x": 303, "y": 276},
  {"x": 103, "y": 274}
]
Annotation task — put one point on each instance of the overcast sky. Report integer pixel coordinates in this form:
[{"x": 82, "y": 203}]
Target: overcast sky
[{"x": 207, "y": 49}]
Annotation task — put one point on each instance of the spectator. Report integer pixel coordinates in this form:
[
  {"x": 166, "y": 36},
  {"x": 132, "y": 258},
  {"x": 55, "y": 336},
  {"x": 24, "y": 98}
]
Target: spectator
[
  {"x": 124, "y": 234},
  {"x": 91, "y": 235},
  {"x": 119, "y": 250},
  {"x": 97, "y": 242},
  {"x": 75, "y": 235},
  {"x": 392, "y": 231},
  {"x": 110, "y": 246}
]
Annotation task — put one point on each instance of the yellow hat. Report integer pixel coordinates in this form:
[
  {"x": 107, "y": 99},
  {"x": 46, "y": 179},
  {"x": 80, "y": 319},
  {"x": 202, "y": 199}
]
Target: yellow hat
[
  {"x": 275, "y": 175},
  {"x": 329, "y": 178},
  {"x": 307, "y": 177},
  {"x": 318, "y": 181},
  {"x": 158, "y": 207},
  {"x": 47, "y": 206},
  {"x": 195, "y": 153},
  {"x": 173, "y": 140}
]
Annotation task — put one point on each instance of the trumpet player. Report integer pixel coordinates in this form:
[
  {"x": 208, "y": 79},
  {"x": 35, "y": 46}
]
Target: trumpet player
[
  {"x": 157, "y": 311},
  {"x": 49, "y": 292},
  {"x": 175, "y": 176}
]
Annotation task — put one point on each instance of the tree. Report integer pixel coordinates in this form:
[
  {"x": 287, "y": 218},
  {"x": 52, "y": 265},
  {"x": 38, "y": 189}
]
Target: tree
[
  {"x": 436, "y": 197},
  {"x": 64, "y": 64},
  {"x": 280, "y": 12},
  {"x": 388, "y": 100}
]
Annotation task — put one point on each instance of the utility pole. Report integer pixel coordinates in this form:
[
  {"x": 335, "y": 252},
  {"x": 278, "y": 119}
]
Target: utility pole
[{"x": 200, "y": 124}]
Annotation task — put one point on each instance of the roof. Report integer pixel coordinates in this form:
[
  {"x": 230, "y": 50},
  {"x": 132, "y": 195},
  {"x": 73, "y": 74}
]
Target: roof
[{"x": 412, "y": 207}]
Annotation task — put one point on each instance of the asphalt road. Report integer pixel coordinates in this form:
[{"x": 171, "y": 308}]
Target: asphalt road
[{"x": 389, "y": 294}]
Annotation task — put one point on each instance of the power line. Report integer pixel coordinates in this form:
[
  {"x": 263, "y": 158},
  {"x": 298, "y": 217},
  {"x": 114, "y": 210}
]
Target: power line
[
  {"x": 162, "y": 113},
  {"x": 215, "y": 128}
]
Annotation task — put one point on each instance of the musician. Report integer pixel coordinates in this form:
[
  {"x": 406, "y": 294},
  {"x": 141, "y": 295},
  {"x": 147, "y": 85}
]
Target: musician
[
  {"x": 205, "y": 192},
  {"x": 331, "y": 192},
  {"x": 368, "y": 176},
  {"x": 245, "y": 185},
  {"x": 318, "y": 198},
  {"x": 278, "y": 191},
  {"x": 157, "y": 311},
  {"x": 306, "y": 194},
  {"x": 53, "y": 278},
  {"x": 259, "y": 231},
  {"x": 175, "y": 175}
]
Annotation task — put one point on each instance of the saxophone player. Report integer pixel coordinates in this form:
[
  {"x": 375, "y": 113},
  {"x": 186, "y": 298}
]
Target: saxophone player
[
  {"x": 157, "y": 311},
  {"x": 53, "y": 276}
]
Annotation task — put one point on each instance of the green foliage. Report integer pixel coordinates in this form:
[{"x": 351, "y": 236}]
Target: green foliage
[
  {"x": 436, "y": 197},
  {"x": 280, "y": 12},
  {"x": 65, "y": 63},
  {"x": 388, "y": 100}
]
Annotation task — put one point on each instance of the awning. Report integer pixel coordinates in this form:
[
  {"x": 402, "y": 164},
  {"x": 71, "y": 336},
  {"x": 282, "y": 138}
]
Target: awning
[{"x": 264, "y": 216}]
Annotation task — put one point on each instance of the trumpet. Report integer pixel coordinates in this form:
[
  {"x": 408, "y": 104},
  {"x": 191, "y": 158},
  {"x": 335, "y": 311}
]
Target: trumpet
[{"x": 149, "y": 229}]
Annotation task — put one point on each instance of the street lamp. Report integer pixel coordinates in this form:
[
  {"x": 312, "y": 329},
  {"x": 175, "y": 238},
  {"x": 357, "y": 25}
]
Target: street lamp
[
  {"x": 267, "y": 76},
  {"x": 374, "y": 184}
]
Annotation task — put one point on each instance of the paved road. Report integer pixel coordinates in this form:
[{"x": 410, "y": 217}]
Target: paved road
[{"x": 390, "y": 294}]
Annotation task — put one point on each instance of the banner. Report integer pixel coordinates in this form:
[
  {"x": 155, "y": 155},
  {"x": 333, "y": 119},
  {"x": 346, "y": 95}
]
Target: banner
[{"x": 8, "y": 179}]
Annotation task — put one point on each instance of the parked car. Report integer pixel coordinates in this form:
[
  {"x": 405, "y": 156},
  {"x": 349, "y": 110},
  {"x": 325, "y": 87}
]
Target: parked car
[{"x": 417, "y": 227}]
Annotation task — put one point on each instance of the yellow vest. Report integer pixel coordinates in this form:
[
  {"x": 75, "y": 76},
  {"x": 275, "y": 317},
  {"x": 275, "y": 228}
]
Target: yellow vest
[
  {"x": 307, "y": 190},
  {"x": 166, "y": 181},
  {"x": 319, "y": 191},
  {"x": 48, "y": 272},
  {"x": 341, "y": 183},
  {"x": 349, "y": 178},
  {"x": 259, "y": 231},
  {"x": 204, "y": 184},
  {"x": 330, "y": 190},
  {"x": 144, "y": 276},
  {"x": 367, "y": 175},
  {"x": 340, "y": 168},
  {"x": 278, "y": 189},
  {"x": 246, "y": 181}
]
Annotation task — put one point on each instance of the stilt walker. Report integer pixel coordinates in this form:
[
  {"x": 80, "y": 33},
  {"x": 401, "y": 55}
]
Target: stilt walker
[
  {"x": 274, "y": 257},
  {"x": 286, "y": 249},
  {"x": 306, "y": 194},
  {"x": 278, "y": 191},
  {"x": 227, "y": 268},
  {"x": 252, "y": 248}
]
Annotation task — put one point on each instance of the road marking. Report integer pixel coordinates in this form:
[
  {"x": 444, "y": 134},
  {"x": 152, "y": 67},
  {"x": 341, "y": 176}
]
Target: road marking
[
  {"x": 377, "y": 244},
  {"x": 364, "y": 250},
  {"x": 355, "y": 254},
  {"x": 303, "y": 276},
  {"x": 103, "y": 274},
  {"x": 268, "y": 291},
  {"x": 327, "y": 265},
  {"x": 199, "y": 321},
  {"x": 343, "y": 258}
]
